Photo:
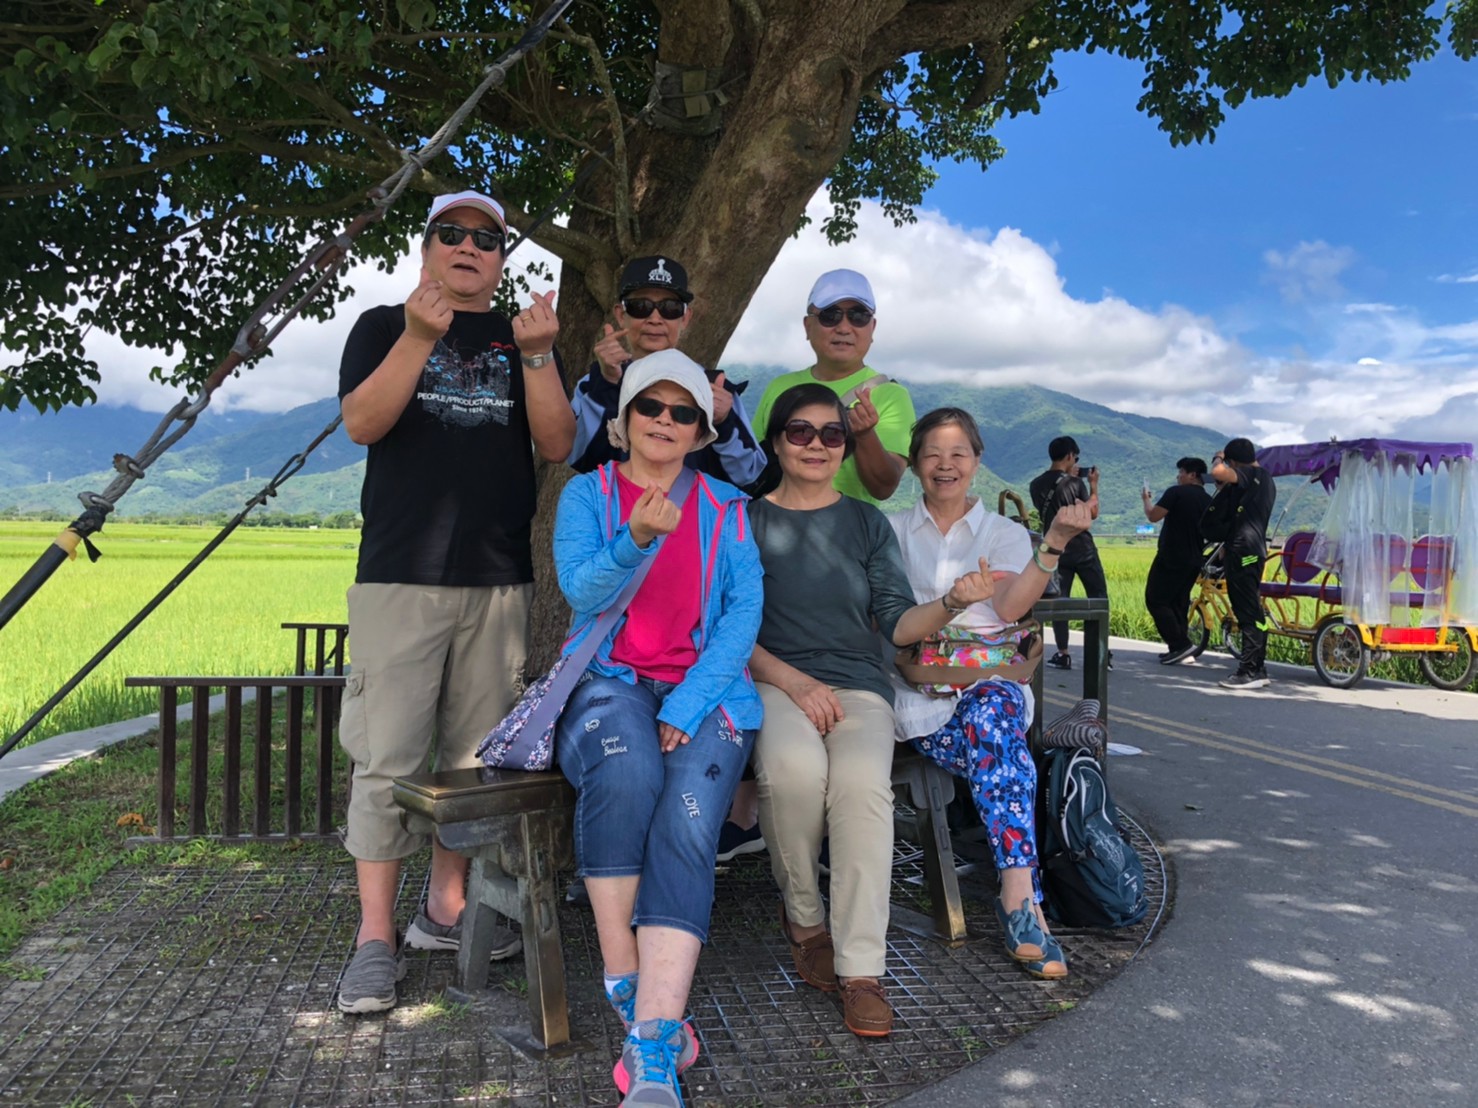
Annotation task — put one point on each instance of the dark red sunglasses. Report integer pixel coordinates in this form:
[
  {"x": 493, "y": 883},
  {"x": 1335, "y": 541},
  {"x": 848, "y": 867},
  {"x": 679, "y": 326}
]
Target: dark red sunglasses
[{"x": 800, "y": 433}]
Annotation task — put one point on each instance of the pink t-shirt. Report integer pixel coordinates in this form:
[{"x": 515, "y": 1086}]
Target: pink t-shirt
[{"x": 657, "y": 638}]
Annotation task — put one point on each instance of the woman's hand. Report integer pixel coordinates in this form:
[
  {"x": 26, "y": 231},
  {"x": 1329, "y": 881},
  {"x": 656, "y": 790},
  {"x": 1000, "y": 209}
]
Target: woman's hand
[
  {"x": 652, "y": 515},
  {"x": 972, "y": 588},
  {"x": 818, "y": 702},
  {"x": 1069, "y": 522},
  {"x": 670, "y": 738}
]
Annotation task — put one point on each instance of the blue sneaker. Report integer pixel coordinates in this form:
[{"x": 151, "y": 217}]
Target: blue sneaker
[
  {"x": 1025, "y": 940},
  {"x": 650, "y": 1057},
  {"x": 623, "y": 1000},
  {"x": 734, "y": 840}
]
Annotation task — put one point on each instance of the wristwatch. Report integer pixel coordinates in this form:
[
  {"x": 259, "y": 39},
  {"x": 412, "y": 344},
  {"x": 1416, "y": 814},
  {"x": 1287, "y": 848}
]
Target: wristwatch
[
  {"x": 1044, "y": 547},
  {"x": 536, "y": 361}
]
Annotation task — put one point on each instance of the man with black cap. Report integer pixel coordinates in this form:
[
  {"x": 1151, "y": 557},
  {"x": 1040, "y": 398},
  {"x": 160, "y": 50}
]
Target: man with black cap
[
  {"x": 653, "y": 307},
  {"x": 1236, "y": 469},
  {"x": 450, "y": 396},
  {"x": 840, "y": 323}
]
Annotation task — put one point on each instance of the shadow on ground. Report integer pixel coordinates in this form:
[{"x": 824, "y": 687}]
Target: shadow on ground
[{"x": 214, "y": 985}]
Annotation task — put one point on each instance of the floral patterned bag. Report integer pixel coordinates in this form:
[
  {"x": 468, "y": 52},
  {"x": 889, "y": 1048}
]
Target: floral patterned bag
[{"x": 954, "y": 658}]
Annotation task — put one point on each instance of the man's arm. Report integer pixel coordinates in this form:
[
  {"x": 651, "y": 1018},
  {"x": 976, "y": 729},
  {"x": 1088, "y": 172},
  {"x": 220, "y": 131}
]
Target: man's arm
[
  {"x": 1222, "y": 473},
  {"x": 551, "y": 421},
  {"x": 879, "y": 467},
  {"x": 374, "y": 405},
  {"x": 1154, "y": 512}
]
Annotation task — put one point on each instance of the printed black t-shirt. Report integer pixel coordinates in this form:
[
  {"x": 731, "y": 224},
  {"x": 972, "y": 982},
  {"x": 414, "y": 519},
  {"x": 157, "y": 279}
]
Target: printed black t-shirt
[
  {"x": 448, "y": 496},
  {"x": 1180, "y": 533}
]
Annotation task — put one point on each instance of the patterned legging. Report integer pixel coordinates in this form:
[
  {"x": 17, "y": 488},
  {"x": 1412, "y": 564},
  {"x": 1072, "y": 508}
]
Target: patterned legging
[{"x": 985, "y": 742}]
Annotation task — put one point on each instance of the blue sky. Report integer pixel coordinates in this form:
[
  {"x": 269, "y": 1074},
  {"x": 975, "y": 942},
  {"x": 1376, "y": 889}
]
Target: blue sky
[{"x": 1312, "y": 272}]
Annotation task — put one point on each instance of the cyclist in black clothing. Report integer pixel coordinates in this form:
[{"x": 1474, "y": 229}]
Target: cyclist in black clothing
[
  {"x": 1167, "y": 589},
  {"x": 1060, "y": 485},
  {"x": 1246, "y": 550}
]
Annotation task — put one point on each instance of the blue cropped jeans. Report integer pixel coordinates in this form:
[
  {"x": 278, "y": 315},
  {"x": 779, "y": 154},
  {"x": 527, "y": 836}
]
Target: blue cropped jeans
[{"x": 644, "y": 813}]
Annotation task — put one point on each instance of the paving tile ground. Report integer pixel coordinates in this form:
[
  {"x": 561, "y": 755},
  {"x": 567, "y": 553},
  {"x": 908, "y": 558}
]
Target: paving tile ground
[{"x": 205, "y": 985}]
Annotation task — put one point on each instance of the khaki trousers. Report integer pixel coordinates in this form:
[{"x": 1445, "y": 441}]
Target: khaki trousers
[
  {"x": 839, "y": 784},
  {"x": 435, "y": 667}
]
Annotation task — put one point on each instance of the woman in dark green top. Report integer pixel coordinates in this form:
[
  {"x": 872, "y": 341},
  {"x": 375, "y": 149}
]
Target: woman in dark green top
[{"x": 834, "y": 578}]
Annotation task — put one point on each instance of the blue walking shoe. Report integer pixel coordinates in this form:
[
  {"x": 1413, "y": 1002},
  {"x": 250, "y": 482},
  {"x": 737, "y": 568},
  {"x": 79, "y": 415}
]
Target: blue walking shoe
[
  {"x": 623, "y": 1000},
  {"x": 649, "y": 1064},
  {"x": 1051, "y": 966},
  {"x": 1025, "y": 940}
]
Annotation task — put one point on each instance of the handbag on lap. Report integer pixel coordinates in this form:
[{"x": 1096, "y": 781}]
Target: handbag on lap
[
  {"x": 524, "y": 739},
  {"x": 954, "y": 658}
]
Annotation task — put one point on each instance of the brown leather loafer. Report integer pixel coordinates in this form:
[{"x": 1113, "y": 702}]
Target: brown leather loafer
[
  {"x": 814, "y": 957},
  {"x": 865, "y": 1009}
]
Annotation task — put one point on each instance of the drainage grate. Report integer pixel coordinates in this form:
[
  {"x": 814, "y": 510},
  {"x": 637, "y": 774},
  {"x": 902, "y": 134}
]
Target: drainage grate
[{"x": 215, "y": 986}]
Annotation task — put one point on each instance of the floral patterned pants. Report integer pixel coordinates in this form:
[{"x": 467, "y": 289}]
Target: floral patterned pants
[{"x": 985, "y": 742}]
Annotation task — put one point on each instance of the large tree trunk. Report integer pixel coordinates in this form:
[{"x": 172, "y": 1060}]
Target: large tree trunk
[{"x": 724, "y": 205}]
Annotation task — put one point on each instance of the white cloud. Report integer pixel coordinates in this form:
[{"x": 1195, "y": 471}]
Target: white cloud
[
  {"x": 1454, "y": 279},
  {"x": 990, "y": 307},
  {"x": 1308, "y": 272}
]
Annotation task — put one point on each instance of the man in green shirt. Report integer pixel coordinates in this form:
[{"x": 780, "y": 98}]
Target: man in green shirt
[{"x": 839, "y": 325}]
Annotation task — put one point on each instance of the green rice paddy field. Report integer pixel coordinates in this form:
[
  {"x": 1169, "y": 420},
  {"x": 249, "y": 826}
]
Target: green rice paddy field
[{"x": 226, "y": 619}]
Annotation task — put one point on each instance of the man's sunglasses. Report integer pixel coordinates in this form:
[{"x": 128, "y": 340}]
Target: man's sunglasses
[
  {"x": 452, "y": 234},
  {"x": 830, "y": 317},
  {"x": 681, "y": 413},
  {"x": 642, "y": 307},
  {"x": 800, "y": 433}
]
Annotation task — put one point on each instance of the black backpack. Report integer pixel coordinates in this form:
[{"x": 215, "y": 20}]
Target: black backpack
[{"x": 1091, "y": 875}]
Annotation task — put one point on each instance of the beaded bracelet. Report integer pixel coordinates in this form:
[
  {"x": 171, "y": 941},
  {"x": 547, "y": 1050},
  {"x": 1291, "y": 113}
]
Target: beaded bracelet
[{"x": 1037, "y": 561}]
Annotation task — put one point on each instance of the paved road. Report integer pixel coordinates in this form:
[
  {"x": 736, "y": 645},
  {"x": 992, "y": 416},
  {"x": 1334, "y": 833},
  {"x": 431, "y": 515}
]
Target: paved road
[{"x": 1321, "y": 948}]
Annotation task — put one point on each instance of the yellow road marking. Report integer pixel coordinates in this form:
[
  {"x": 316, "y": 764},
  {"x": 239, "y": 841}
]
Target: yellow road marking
[{"x": 1280, "y": 756}]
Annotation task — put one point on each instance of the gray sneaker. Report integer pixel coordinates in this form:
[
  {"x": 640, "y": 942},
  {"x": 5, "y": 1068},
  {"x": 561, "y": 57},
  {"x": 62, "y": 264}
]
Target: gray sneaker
[
  {"x": 425, "y": 933},
  {"x": 368, "y": 985},
  {"x": 650, "y": 1057}
]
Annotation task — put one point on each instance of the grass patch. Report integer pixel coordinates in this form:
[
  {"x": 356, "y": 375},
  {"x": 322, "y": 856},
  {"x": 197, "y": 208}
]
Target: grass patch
[{"x": 60, "y": 834}]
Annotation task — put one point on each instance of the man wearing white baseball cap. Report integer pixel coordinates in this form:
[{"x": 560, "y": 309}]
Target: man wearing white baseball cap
[
  {"x": 452, "y": 399},
  {"x": 840, "y": 322}
]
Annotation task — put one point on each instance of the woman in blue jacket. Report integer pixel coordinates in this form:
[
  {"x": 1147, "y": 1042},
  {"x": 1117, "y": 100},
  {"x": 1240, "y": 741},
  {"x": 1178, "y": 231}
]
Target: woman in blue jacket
[{"x": 656, "y": 737}]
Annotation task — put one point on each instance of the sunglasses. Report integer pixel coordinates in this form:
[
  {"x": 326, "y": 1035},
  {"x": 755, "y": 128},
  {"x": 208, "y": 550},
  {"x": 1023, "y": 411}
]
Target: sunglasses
[
  {"x": 681, "y": 413},
  {"x": 830, "y": 317},
  {"x": 452, "y": 234},
  {"x": 800, "y": 433},
  {"x": 642, "y": 307}
]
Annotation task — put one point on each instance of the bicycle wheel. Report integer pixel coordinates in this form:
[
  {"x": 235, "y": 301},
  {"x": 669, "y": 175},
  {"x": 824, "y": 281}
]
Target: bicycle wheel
[
  {"x": 1340, "y": 658},
  {"x": 1198, "y": 629},
  {"x": 1231, "y": 638},
  {"x": 1451, "y": 670}
]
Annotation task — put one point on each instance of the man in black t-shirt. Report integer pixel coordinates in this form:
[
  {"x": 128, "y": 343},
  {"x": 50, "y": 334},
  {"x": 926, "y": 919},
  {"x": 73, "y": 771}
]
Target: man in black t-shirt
[
  {"x": 1236, "y": 468},
  {"x": 1167, "y": 589},
  {"x": 1060, "y": 485},
  {"x": 452, "y": 399}
]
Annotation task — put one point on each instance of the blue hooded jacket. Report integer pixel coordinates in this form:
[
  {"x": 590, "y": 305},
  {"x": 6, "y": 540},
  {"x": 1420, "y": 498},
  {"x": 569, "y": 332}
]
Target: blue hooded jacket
[{"x": 595, "y": 555}]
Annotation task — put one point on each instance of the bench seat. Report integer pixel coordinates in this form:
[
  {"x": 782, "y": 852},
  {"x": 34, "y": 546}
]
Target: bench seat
[{"x": 517, "y": 828}]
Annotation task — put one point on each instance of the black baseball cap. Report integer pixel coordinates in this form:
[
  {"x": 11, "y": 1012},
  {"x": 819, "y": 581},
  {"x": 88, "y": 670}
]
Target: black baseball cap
[{"x": 655, "y": 272}]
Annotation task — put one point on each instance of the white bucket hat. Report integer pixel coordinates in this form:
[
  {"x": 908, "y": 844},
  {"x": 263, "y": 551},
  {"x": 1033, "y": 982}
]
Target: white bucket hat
[{"x": 664, "y": 365}]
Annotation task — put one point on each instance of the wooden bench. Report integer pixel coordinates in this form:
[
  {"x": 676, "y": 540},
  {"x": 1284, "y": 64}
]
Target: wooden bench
[
  {"x": 928, "y": 788},
  {"x": 517, "y": 830}
]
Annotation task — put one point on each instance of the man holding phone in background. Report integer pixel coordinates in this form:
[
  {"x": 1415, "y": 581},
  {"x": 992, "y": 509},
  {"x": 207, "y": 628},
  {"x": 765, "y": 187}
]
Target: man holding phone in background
[
  {"x": 1064, "y": 482},
  {"x": 653, "y": 308}
]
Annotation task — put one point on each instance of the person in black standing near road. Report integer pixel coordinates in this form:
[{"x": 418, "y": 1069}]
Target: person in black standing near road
[
  {"x": 1064, "y": 483},
  {"x": 1167, "y": 589},
  {"x": 1253, "y": 494}
]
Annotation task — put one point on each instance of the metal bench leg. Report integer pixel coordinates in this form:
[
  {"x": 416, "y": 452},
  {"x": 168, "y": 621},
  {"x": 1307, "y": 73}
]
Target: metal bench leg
[
  {"x": 478, "y": 920},
  {"x": 937, "y": 787},
  {"x": 543, "y": 955}
]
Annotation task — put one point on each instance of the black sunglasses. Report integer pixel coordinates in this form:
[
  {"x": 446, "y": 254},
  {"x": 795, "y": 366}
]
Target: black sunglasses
[
  {"x": 452, "y": 234},
  {"x": 681, "y": 413},
  {"x": 830, "y": 317},
  {"x": 642, "y": 307},
  {"x": 800, "y": 433}
]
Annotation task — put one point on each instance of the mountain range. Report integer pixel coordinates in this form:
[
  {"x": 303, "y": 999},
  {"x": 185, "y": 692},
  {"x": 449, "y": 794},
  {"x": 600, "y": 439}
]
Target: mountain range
[{"x": 46, "y": 459}]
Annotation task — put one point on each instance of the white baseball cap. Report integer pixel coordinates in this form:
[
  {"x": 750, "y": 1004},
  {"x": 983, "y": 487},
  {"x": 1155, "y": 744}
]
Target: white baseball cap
[
  {"x": 663, "y": 365},
  {"x": 469, "y": 199},
  {"x": 841, "y": 284}
]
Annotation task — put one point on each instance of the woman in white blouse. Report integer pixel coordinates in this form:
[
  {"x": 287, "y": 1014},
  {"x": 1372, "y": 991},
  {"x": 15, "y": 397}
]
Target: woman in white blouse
[{"x": 981, "y": 733}]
